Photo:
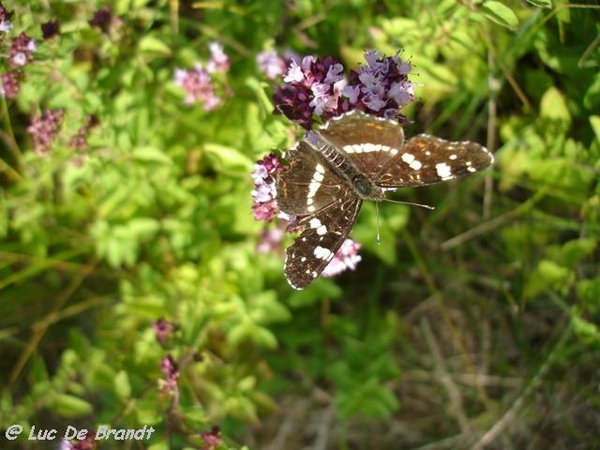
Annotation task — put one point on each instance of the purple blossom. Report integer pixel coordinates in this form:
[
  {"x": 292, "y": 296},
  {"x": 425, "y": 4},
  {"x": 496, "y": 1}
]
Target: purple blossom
[
  {"x": 312, "y": 86},
  {"x": 19, "y": 54},
  {"x": 169, "y": 368},
  {"x": 50, "y": 29},
  {"x": 381, "y": 87},
  {"x": 346, "y": 257},
  {"x": 20, "y": 50},
  {"x": 5, "y": 23},
  {"x": 219, "y": 62},
  {"x": 198, "y": 82},
  {"x": 10, "y": 84},
  {"x": 316, "y": 88},
  {"x": 44, "y": 130},
  {"x": 212, "y": 439},
  {"x": 295, "y": 73},
  {"x": 65, "y": 445},
  {"x": 198, "y": 85},
  {"x": 163, "y": 329},
  {"x": 102, "y": 19},
  {"x": 79, "y": 141},
  {"x": 85, "y": 444},
  {"x": 264, "y": 203},
  {"x": 271, "y": 64}
]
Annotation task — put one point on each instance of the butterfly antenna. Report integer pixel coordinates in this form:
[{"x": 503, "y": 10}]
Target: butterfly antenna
[
  {"x": 400, "y": 202},
  {"x": 377, "y": 215}
]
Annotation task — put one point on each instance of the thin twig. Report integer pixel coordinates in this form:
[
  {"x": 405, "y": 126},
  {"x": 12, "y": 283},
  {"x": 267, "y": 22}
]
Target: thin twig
[
  {"x": 289, "y": 425},
  {"x": 324, "y": 428},
  {"x": 486, "y": 227},
  {"x": 511, "y": 414},
  {"x": 446, "y": 380},
  {"x": 491, "y": 133}
]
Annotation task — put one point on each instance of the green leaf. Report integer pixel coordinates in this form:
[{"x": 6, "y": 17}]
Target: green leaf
[
  {"x": 227, "y": 159},
  {"x": 196, "y": 416},
  {"x": 589, "y": 293},
  {"x": 151, "y": 154},
  {"x": 265, "y": 338},
  {"x": 248, "y": 331},
  {"x": 572, "y": 252},
  {"x": 69, "y": 406},
  {"x": 591, "y": 99},
  {"x": 595, "y": 123},
  {"x": 541, "y": 3},
  {"x": 151, "y": 46},
  {"x": 39, "y": 372},
  {"x": 584, "y": 329},
  {"x": 553, "y": 106},
  {"x": 265, "y": 308},
  {"x": 547, "y": 275},
  {"x": 370, "y": 398},
  {"x": 122, "y": 385},
  {"x": 143, "y": 228},
  {"x": 243, "y": 408},
  {"x": 501, "y": 14}
]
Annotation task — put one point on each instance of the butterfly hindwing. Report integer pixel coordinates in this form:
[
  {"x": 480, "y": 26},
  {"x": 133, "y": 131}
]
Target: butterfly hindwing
[{"x": 323, "y": 234}]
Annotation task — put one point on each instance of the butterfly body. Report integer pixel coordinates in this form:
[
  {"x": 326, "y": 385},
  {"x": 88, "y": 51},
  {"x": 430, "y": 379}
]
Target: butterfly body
[{"x": 356, "y": 157}]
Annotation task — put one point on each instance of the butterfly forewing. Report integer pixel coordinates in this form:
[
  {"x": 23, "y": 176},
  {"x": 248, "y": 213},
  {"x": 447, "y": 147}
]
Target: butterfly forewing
[
  {"x": 300, "y": 188},
  {"x": 370, "y": 142},
  {"x": 324, "y": 233},
  {"x": 426, "y": 160}
]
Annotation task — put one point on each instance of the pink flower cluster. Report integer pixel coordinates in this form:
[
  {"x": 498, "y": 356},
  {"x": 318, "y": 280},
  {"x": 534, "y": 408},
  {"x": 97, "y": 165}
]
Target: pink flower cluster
[
  {"x": 44, "y": 129},
  {"x": 19, "y": 55},
  {"x": 198, "y": 82},
  {"x": 317, "y": 89},
  {"x": 264, "y": 203}
]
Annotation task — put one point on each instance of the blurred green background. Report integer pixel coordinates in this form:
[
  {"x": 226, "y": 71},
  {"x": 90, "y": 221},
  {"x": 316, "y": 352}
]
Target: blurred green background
[{"x": 471, "y": 326}]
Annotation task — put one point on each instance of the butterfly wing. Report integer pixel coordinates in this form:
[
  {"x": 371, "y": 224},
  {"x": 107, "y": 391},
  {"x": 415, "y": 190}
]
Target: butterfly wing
[
  {"x": 327, "y": 208},
  {"x": 300, "y": 188},
  {"x": 377, "y": 148},
  {"x": 426, "y": 159},
  {"x": 324, "y": 233},
  {"x": 370, "y": 142}
]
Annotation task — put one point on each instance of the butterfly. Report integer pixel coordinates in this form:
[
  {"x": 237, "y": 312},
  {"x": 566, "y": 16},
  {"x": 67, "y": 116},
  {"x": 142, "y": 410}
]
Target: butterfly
[{"x": 356, "y": 157}]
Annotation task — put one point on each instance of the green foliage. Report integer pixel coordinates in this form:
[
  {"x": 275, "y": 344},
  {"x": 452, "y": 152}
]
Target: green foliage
[{"x": 475, "y": 325}]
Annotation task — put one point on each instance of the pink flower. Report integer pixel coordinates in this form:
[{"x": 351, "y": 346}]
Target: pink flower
[
  {"x": 271, "y": 64},
  {"x": 44, "y": 130},
  {"x": 346, "y": 257},
  {"x": 21, "y": 49},
  {"x": 198, "y": 86},
  {"x": 264, "y": 203},
  {"x": 10, "y": 84},
  {"x": 198, "y": 82},
  {"x": 219, "y": 62}
]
